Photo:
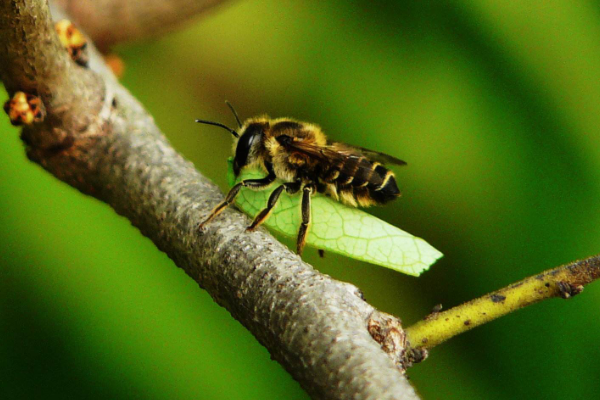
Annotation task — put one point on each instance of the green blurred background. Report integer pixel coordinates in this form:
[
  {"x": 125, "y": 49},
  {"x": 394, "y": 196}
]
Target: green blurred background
[{"x": 494, "y": 104}]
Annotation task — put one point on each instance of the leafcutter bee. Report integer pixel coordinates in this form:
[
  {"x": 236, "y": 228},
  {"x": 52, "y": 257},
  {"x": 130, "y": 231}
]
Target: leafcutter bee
[{"x": 299, "y": 154}]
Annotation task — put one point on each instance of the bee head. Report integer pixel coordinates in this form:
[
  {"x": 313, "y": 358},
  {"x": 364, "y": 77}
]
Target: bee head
[
  {"x": 247, "y": 148},
  {"x": 248, "y": 142}
]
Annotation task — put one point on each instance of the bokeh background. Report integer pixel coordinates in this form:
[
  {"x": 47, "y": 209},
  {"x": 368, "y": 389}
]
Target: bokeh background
[{"x": 494, "y": 104}]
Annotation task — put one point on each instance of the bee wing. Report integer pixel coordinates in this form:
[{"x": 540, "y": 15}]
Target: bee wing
[
  {"x": 337, "y": 152},
  {"x": 370, "y": 154},
  {"x": 326, "y": 154}
]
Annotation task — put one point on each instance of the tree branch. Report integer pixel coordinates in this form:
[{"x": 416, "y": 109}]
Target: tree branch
[
  {"x": 565, "y": 281},
  {"x": 99, "y": 139},
  {"x": 109, "y": 22},
  {"x": 33, "y": 61}
]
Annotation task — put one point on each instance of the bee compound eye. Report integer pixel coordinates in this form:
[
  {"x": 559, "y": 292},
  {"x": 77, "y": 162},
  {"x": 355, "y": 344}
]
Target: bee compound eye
[{"x": 244, "y": 146}]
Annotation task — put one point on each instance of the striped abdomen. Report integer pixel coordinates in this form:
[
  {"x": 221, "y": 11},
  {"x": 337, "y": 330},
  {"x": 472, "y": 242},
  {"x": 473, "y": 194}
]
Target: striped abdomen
[{"x": 359, "y": 181}]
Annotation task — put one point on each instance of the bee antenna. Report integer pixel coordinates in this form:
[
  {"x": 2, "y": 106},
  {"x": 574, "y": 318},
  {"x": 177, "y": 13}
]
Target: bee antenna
[
  {"x": 234, "y": 113},
  {"x": 234, "y": 133}
]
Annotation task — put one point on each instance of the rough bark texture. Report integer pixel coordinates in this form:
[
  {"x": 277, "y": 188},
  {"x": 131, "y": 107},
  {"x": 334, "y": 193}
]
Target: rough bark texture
[
  {"x": 99, "y": 139},
  {"x": 114, "y": 21}
]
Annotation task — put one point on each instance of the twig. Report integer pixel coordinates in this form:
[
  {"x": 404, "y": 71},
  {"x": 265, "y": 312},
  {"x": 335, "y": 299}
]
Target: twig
[
  {"x": 316, "y": 327},
  {"x": 109, "y": 22},
  {"x": 565, "y": 281}
]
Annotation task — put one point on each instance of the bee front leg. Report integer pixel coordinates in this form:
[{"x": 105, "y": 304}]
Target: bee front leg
[
  {"x": 306, "y": 193},
  {"x": 255, "y": 184},
  {"x": 290, "y": 187}
]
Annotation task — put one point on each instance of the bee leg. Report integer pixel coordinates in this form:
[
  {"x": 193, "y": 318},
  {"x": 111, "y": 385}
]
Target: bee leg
[
  {"x": 306, "y": 193},
  {"x": 290, "y": 187},
  {"x": 264, "y": 214},
  {"x": 255, "y": 184},
  {"x": 222, "y": 205}
]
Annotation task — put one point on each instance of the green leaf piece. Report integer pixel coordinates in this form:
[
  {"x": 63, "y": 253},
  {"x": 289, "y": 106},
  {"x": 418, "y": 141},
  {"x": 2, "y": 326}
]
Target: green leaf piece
[{"x": 338, "y": 228}]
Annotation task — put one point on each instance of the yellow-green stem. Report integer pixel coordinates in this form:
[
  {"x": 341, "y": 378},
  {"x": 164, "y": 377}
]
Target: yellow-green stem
[{"x": 564, "y": 281}]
